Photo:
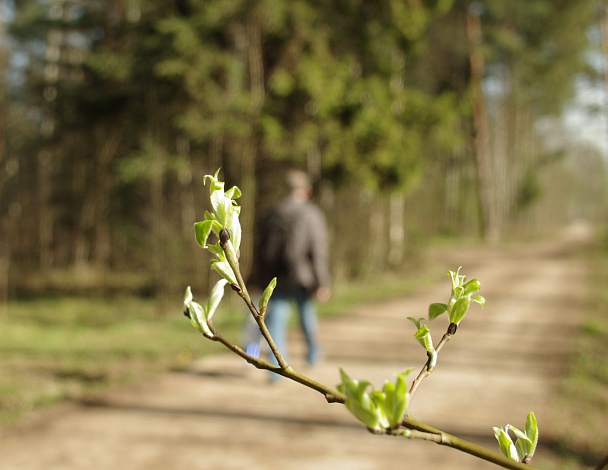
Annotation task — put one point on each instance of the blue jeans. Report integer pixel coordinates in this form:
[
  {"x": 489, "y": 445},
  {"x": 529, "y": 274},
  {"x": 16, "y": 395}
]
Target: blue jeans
[{"x": 279, "y": 313}]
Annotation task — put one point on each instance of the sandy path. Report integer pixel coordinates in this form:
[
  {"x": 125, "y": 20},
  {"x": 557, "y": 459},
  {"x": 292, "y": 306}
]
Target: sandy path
[{"x": 222, "y": 414}]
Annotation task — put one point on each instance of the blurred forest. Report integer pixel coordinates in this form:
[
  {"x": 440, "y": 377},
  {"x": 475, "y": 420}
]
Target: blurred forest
[{"x": 415, "y": 118}]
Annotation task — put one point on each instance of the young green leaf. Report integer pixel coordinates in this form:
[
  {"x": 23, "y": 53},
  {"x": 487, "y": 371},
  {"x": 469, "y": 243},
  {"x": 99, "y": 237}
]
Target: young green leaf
[
  {"x": 457, "y": 279},
  {"x": 233, "y": 193},
  {"x": 437, "y": 309},
  {"x": 471, "y": 287},
  {"x": 423, "y": 335},
  {"x": 235, "y": 229},
  {"x": 379, "y": 400},
  {"x": 263, "y": 303},
  {"x": 480, "y": 300},
  {"x": 396, "y": 399},
  {"x": 517, "y": 432},
  {"x": 390, "y": 404},
  {"x": 507, "y": 448},
  {"x": 459, "y": 310},
  {"x": 215, "y": 185},
  {"x": 225, "y": 213},
  {"x": 216, "y": 250},
  {"x": 523, "y": 444},
  {"x": 359, "y": 402},
  {"x": 196, "y": 314},
  {"x": 532, "y": 432},
  {"x": 215, "y": 298},
  {"x": 225, "y": 209},
  {"x": 224, "y": 270},
  {"x": 203, "y": 229}
]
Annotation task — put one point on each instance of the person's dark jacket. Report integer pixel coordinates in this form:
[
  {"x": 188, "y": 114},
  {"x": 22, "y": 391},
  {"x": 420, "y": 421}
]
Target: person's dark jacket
[{"x": 307, "y": 247}]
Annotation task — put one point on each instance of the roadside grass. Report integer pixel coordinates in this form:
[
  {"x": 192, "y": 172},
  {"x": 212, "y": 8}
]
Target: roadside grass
[
  {"x": 382, "y": 287},
  {"x": 52, "y": 350},
  {"x": 581, "y": 405}
]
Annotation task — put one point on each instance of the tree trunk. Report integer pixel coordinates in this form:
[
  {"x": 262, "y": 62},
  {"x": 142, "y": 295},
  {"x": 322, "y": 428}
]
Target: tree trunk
[
  {"x": 480, "y": 123},
  {"x": 604, "y": 39},
  {"x": 45, "y": 211},
  {"x": 103, "y": 189},
  {"x": 255, "y": 61},
  {"x": 396, "y": 229}
]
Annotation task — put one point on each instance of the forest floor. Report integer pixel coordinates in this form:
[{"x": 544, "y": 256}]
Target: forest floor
[{"x": 505, "y": 361}]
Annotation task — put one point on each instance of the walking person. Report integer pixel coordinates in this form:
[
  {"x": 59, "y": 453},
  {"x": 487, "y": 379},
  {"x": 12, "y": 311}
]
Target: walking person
[{"x": 293, "y": 247}]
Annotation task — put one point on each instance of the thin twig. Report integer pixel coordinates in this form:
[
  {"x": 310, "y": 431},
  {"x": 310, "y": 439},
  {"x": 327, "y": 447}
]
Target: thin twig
[
  {"x": 454, "y": 442},
  {"x": 284, "y": 369},
  {"x": 410, "y": 427},
  {"x": 234, "y": 264},
  {"x": 427, "y": 369},
  {"x": 331, "y": 395}
]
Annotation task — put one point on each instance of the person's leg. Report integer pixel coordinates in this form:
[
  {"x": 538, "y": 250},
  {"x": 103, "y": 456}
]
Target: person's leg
[
  {"x": 307, "y": 310},
  {"x": 277, "y": 321}
]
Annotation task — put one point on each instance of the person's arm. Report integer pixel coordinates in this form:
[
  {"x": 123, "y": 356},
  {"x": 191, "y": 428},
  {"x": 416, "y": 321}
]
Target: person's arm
[{"x": 320, "y": 255}]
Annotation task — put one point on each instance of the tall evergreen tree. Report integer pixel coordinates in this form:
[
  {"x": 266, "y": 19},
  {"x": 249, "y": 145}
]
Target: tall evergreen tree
[
  {"x": 135, "y": 101},
  {"x": 534, "y": 51}
]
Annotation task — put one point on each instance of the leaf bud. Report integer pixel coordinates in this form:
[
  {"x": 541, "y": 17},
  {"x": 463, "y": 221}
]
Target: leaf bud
[
  {"x": 224, "y": 236},
  {"x": 235, "y": 288}
]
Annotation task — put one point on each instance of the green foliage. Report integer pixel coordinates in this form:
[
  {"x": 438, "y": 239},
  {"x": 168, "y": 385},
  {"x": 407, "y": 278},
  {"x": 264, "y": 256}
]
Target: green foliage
[
  {"x": 224, "y": 223},
  {"x": 507, "y": 448},
  {"x": 225, "y": 216},
  {"x": 376, "y": 409},
  {"x": 529, "y": 191},
  {"x": 110, "y": 65},
  {"x": 201, "y": 316},
  {"x": 328, "y": 90},
  {"x": 460, "y": 299},
  {"x": 145, "y": 93},
  {"x": 525, "y": 444},
  {"x": 151, "y": 162},
  {"x": 539, "y": 43},
  {"x": 423, "y": 335},
  {"x": 69, "y": 348},
  {"x": 396, "y": 399},
  {"x": 263, "y": 303}
]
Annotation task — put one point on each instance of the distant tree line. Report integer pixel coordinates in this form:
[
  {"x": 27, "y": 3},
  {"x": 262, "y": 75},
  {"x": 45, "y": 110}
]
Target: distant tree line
[{"x": 419, "y": 116}]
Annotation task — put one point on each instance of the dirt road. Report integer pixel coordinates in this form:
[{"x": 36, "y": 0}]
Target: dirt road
[{"x": 222, "y": 414}]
